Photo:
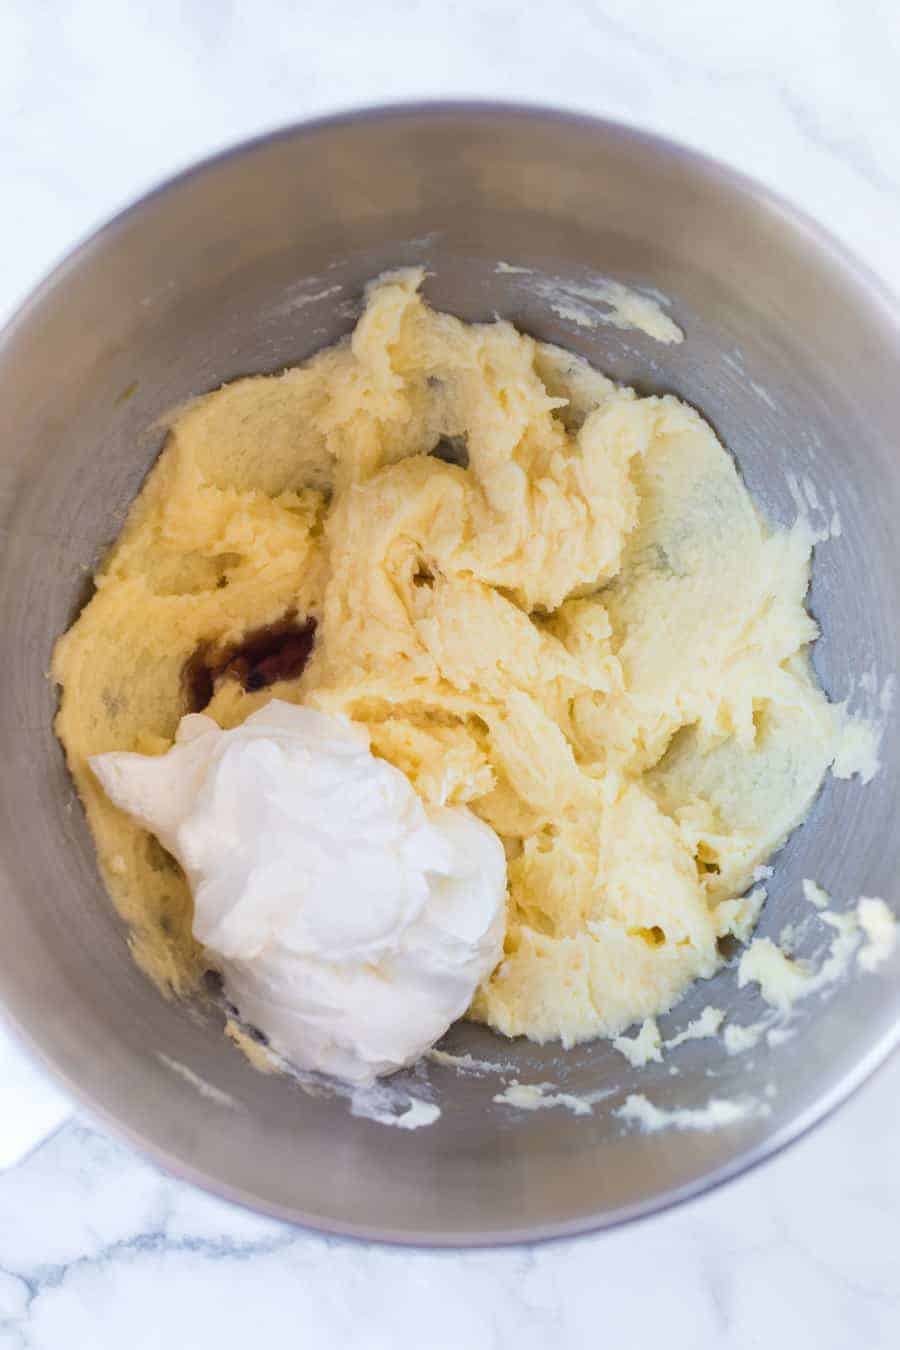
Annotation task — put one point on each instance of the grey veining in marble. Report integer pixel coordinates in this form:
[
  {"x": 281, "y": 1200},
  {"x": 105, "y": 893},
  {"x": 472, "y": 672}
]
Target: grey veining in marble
[{"x": 98, "y": 1249}]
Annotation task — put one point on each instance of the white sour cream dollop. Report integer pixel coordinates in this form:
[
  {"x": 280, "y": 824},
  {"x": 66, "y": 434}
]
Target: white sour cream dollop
[{"x": 351, "y": 924}]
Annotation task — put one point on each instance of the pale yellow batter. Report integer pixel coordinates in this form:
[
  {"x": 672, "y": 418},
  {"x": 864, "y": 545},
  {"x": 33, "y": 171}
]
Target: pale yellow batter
[{"x": 587, "y": 634}]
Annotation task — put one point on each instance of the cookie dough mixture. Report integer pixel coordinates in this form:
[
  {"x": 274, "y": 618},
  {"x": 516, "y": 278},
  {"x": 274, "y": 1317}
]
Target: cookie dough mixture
[{"x": 543, "y": 597}]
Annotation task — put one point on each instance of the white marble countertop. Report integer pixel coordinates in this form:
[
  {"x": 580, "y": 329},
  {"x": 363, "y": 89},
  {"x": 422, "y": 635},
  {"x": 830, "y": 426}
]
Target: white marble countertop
[{"x": 97, "y": 102}]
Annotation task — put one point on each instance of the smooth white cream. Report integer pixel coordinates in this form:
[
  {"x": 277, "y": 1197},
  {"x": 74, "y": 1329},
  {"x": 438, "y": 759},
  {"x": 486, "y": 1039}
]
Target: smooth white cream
[{"x": 351, "y": 925}]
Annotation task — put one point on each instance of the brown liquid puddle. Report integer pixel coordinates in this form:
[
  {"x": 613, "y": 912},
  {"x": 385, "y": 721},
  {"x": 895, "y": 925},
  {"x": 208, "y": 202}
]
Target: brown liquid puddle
[{"x": 279, "y": 651}]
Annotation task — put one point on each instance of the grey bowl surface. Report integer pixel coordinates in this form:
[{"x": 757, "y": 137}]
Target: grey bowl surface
[{"x": 251, "y": 262}]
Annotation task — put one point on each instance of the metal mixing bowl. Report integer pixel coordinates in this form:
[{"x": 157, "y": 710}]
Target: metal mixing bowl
[{"x": 253, "y": 261}]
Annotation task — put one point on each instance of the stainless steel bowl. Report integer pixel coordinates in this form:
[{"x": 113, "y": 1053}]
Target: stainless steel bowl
[{"x": 251, "y": 262}]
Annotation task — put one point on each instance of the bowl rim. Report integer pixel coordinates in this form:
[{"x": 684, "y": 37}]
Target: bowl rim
[{"x": 843, "y": 260}]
